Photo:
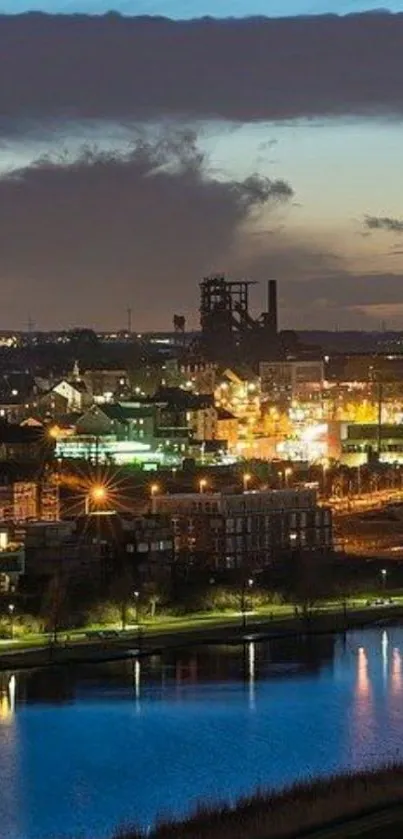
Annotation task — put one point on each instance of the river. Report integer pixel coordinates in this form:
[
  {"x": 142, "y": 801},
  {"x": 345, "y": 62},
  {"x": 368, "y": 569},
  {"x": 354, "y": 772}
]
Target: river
[{"x": 86, "y": 749}]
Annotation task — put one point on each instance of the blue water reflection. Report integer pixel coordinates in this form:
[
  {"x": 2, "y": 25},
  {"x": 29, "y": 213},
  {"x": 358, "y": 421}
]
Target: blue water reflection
[{"x": 84, "y": 750}]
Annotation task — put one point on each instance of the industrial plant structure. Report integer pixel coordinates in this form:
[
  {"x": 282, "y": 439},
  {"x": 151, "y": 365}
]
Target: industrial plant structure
[{"x": 228, "y": 328}]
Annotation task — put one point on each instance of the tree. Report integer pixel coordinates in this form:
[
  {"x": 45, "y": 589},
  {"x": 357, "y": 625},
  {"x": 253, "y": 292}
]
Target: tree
[
  {"x": 122, "y": 592},
  {"x": 54, "y": 605},
  {"x": 309, "y": 581},
  {"x": 153, "y": 594}
]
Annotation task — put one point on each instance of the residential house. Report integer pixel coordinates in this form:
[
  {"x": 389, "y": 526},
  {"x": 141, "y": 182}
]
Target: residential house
[
  {"x": 74, "y": 392},
  {"x": 107, "y": 385}
]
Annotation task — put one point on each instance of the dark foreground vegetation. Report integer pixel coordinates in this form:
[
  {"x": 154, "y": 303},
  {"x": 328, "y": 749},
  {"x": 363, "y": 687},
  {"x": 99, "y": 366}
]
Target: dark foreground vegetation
[{"x": 292, "y": 812}]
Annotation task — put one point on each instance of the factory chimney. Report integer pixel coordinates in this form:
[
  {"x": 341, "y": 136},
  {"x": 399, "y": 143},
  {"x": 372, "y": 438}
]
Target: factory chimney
[{"x": 272, "y": 305}]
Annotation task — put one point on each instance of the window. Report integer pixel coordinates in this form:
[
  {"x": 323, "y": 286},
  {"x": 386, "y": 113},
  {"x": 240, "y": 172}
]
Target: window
[{"x": 142, "y": 548}]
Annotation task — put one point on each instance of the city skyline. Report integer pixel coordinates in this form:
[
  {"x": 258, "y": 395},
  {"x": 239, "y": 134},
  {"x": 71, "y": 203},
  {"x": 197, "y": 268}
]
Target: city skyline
[{"x": 126, "y": 189}]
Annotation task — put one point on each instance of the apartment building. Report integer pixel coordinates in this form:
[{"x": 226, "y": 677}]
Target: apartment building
[{"x": 256, "y": 529}]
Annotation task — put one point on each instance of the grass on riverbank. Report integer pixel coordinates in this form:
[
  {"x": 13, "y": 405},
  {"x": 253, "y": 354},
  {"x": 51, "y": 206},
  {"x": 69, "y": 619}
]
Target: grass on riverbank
[
  {"x": 169, "y": 624},
  {"x": 161, "y": 624},
  {"x": 288, "y": 813}
]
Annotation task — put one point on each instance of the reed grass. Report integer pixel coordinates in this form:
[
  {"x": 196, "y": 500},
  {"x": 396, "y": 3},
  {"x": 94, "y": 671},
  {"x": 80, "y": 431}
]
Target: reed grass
[{"x": 273, "y": 814}]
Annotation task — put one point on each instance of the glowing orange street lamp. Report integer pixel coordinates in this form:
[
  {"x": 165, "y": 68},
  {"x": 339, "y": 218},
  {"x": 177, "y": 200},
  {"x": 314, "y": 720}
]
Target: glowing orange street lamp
[
  {"x": 96, "y": 494},
  {"x": 202, "y": 484},
  {"x": 154, "y": 490},
  {"x": 246, "y": 480}
]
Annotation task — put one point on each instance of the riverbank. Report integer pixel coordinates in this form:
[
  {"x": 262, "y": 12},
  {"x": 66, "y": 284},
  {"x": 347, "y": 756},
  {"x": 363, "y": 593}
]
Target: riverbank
[
  {"x": 367, "y": 804},
  {"x": 141, "y": 642}
]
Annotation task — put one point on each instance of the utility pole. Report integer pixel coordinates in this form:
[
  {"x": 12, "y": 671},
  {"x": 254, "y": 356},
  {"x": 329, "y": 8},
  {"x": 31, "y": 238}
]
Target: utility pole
[
  {"x": 129, "y": 320},
  {"x": 97, "y": 451}
]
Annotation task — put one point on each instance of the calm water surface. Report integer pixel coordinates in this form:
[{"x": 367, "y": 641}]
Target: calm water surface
[{"x": 84, "y": 750}]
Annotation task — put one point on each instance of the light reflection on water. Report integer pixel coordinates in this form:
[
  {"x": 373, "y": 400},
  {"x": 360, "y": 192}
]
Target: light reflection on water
[{"x": 83, "y": 750}]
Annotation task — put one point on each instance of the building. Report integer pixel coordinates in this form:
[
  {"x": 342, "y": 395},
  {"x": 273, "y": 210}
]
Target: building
[
  {"x": 227, "y": 428},
  {"x": 12, "y": 561},
  {"x": 93, "y": 544},
  {"x": 107, "y": 385},
  {"x": 365, "y": 367},
  {"x": 24, "y": 501},
  {"x": 184, "y": 416},
  {"x": 199, "y": 375},
  {"x": 148, "y": 542},
  {"x": 74, "y": 390},
  {"x": 22, "y": 443},
  {"x": 34, "y": 501},
  {"x": 162, "y": 429},
  {"x": 52, "y": 548},
  {"x": 249, "y": 529},
  {"x": 286, "y": 381},
  {"x": 362, "y": 442},
  {"x": 228, "y": 330},
  {"x": 133, "y": 421}
]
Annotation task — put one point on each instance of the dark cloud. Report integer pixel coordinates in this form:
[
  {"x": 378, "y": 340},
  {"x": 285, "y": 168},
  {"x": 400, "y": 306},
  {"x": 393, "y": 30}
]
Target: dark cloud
[
  {"x": 116, "y": 68},
  {"x": 390, "y": 225},
  {"x": 81, "y": 239},
  {"x": 316, "y": 284},
  {"x": 345, "y": 300}
]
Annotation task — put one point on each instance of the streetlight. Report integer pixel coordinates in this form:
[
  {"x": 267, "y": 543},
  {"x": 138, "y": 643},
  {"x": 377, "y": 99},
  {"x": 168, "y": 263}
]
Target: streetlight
[
  {"x": 247, "y": 477},
  {"x": 384, "y": 574},
  {"x": 325, "y": 467},
  {"x": 96, "y": 494},
  {"x": 136, "y": 595},
  {"x": 11, "y": 609},
  {"x": 247, "y": 585},
  {"x": 287, "y": 474},
  {"x": 359, "y": 482},
  {"x": 54, "y": 432},
  {"x": 154, "y": 490},
  {"x": 202, "y": 484}
]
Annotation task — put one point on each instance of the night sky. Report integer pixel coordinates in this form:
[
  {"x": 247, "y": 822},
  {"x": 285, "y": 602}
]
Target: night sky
[{"x": 137, "y": 155}]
